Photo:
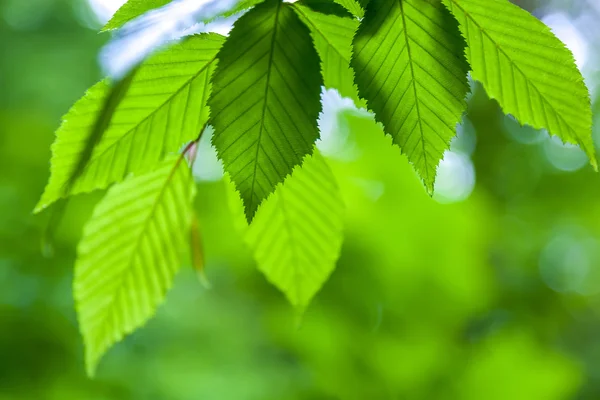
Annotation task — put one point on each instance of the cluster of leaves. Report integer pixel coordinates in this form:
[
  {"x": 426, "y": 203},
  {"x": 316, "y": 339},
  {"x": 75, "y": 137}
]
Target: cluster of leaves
[{"x": 407, "y": 61}]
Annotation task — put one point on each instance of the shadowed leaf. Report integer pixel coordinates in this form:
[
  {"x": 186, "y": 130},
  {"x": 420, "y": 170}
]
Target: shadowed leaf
[
  {"x": 527, "y": 69},
  {"x": 266, "y": 100},
  {"x": 165, "y": 107},
  {"x": 130, "y": 251},
  {"x": 410, "y": 67}
]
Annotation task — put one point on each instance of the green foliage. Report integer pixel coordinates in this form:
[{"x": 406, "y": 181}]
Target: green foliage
[
  {"x": 115, "y": 92},
  {"x": 136, "y": 8},
  {"x": 265, "y": 102},
  {"x": 131, "y": 10},
  {"x": 526, "y": 68},
  {"x": 408, "y": 57},
  {"x": 260, "y": 90},
  {"x": 164, "y": 108},
  {"x": 130, "y": 251},
  {"x": 353, "y": 6},
  {"x": 296, "y": 236},
  {"x": 333, "y": 40}
]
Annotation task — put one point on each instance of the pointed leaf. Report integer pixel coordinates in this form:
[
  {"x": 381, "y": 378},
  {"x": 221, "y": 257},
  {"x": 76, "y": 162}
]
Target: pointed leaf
[
  {"x": 410, "y": 67},
  {"x": 353, "y": 6},
  {"x": 129, "y": 254},
  {"x": 328, "y": 7},
  {"x": 526, "y": 68},
  {"x": 297, "y": 234},
  {"x": 131, "y": 10},
  {"x": 266, "y": 100},
  {"x": 136, "y": 8},
  {"x": 164, "y": 108},
  {"x": 115, "y": 92},
  {"x": 333, "y": 40}
]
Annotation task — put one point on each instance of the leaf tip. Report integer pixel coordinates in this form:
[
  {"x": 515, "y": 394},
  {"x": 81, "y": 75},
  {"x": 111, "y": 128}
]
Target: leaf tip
[
  {"x": 91, "y": 364},
  {"x": 204, "y": 280},
  {"x": 590, "y": 151},
  {"x": 249, "y": 213},
  {"x": 42, "y": 204},
  {"x": 594, "y": 162},
  {"x": 429, "y": 184},
  {"x": 300, "y": 311}
]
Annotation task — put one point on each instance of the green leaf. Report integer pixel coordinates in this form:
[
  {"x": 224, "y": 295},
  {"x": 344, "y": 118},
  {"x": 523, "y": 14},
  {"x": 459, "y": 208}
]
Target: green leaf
[
  {"x": 526, "y": 68},
  {"x": 297, "y": 234},
  {"x": 164, "y": 108},
  {"x": 332, "y": 36},
  {"x": 266, "y": 100},
  {"x": 328, "y": 7},
  {"x": 353, "y": 6},
  {"x": 115, "y": 94},
  {"x": 131, "y": 249},
  {"x": 136, "y": 8},
  {"x": 131, "y": 10},
  {"x": 410, "y": 67}
]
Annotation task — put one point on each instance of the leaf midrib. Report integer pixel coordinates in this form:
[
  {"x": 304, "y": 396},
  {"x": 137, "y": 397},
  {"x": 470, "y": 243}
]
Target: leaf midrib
[
  {"x": 300, "y": 11},
  {"x": 529, "y": 81},
  {"x": 414, "y": 85},
  {"x": 120, "y": 287},
  {"x": 265, "y": 102},
  {"x": 151, "y": 114},
  {"x": 295, "y": 258}
]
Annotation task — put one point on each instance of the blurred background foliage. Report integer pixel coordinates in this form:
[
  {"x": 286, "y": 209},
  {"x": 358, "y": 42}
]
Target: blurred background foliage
[{"x": 489, "y": 290}]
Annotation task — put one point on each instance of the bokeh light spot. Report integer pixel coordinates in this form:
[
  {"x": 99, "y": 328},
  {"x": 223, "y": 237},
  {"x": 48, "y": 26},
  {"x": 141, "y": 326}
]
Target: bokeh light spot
[
  {"x": 523, "y": 133},
  {"x": 568, "y": 263},
  {"x": 564, "y": 156},
  {"x": 455, "y": 178},
  {"x": 207, "y": 167},
  {"x": 104, "y": 9}
]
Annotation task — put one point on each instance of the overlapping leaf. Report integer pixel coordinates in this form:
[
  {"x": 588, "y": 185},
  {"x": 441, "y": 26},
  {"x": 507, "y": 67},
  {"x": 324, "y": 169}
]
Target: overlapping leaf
[
  {"x": 131, "y": 10},
  {"x": 410, "y": 67},
  {"x": 297, "y": 234},
  {"x": 353, "y": 6},
  {"x": 526, "y": 68},
  {"x": 129, "y": 254},
  {"x": 266, "y": 100},
  {"x": 164, "y": 108},
  {"x": 136, "y": 8},
  {"x": 333, "y": 40},
  {"x": 328, "y": 7}
]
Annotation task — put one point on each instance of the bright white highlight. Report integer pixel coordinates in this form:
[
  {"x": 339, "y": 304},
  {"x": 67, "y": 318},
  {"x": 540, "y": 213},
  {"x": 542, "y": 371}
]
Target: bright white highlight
[
  {"x": 455, "y": 178},
  {"x": 207, "y": 167},
  {"x": 334, "y": 141},
  {"x": 564, "y": 156},
  {"x": 104, "y": 9},
  {"x": 567, "y": 262},
  {"x": 566, "y": 31},
  {"x": 138, "y": 38}
]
